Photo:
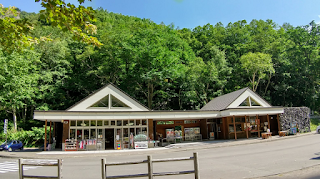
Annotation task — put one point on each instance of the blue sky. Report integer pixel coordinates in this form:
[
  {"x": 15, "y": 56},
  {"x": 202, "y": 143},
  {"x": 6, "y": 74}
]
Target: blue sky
[{"x": 192, "y": 13}]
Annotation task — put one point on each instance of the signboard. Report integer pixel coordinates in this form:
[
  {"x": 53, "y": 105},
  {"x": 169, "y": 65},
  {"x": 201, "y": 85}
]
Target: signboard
[
  {"x": 141, "y": 145},
  {"x": 5, "y": 126}
]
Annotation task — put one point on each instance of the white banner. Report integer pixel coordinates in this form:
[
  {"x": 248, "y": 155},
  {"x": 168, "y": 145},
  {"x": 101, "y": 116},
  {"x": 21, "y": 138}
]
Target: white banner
[{"x": 5, "y": 126}]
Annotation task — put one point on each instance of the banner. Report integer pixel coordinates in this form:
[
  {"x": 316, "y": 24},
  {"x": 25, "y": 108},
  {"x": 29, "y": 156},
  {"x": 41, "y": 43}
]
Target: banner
[{"x": 5, "y": 126}]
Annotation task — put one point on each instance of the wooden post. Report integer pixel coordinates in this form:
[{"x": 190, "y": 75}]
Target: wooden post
[
  {"x": 269, "y": 125},
  {"x": 196, "y": 165},
  {"x": 20, "y": 168},
  {"x": 258, "y": 125},
  {"x": 59, "y": 168},
  {"x": 45, "y": 136},
  {"x": 245, "y": 123},
  {"x": 150, "y": 167},
  {"x": 278, "y": 123},
  {"x": 234, "y": 128},
  {"x": 224, "y": 123},
  {"x": 50, "y": 133},
  {"x": 103, "y": 168}
]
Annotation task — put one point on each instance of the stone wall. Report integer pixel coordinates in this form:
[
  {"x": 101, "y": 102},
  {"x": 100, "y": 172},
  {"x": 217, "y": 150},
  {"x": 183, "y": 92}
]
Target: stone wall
[{"x": 300, "y": 115}]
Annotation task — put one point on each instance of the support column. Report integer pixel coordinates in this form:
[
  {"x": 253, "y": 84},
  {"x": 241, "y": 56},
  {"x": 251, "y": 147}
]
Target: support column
[
  {"x": 65, "y": 132},
  {"x": 245, "y": 123},
  {"x": 258, "y": 125},
  {"x": 269, "y": 125},
  {"x": 234, "y": 128},
  {"x": 278, "y": 123},
  {"x": 150, "y": 129},
  {"x": 45, "y": 136}
]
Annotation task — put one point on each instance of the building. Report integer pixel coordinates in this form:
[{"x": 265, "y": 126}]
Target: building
[{"x": 110, "y": 116}]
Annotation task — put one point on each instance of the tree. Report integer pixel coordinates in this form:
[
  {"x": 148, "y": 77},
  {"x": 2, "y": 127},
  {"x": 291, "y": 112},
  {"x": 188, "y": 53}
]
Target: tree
[
  {"x": 257, "y": 65},
  {"x": 18, "y": 80},
  {"x": 16, "y": 33}
]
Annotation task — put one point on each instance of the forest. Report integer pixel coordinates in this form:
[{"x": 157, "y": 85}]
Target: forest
[{"x": 162, "y": 66}]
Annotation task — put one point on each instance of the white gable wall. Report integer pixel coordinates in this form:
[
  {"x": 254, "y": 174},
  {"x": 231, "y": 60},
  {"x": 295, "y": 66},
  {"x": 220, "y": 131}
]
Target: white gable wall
[
  {"x": 245, "y": 95},
  {"x": 85, "y": 104}
]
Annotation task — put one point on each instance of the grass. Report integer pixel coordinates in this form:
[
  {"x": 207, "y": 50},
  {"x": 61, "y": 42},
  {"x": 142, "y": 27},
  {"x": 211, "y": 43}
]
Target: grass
[{"x": 314, "y": 123}]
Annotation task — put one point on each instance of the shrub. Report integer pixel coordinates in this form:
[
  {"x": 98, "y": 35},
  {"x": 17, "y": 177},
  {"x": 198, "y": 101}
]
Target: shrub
[{"x": 31, "y": 138}]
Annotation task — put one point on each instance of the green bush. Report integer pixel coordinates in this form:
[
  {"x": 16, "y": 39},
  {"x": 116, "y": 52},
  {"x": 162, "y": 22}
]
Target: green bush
[
  {"x": 31, "y": 138},
  {"x": 315, "y": 122}
]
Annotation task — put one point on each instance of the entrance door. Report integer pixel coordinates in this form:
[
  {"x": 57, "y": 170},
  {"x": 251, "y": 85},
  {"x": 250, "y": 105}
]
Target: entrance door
[
  {"x": 109, "y": 138},
  {"x": 212, "y": 130}
]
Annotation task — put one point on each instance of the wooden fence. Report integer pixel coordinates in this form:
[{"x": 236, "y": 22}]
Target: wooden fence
[
  {"x": 150, "y": 162},
  {"x": 40, "y": 163}
]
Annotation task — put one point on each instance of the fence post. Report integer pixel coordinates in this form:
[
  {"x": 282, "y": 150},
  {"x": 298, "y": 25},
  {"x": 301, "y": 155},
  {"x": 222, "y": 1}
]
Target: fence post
[
  {"x": 59, "y": 168},
  {"x": 103, "y": 168},
  {"x": 150, "y": 167},
  {"x": 20, "y": 168},
  {"x": 196, "y": 165}
]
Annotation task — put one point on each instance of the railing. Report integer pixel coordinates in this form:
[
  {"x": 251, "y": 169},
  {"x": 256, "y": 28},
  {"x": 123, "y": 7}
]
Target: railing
[
  {"x": 150, "y": 162},
  {"x": 40, "y": 163}
]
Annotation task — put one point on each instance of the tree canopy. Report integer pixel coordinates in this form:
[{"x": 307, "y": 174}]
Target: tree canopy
[{"x": 161, "y": 66}]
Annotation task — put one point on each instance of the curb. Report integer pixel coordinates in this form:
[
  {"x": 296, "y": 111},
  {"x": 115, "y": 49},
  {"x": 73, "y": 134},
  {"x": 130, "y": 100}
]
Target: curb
[{"x": 226, "y": 143}]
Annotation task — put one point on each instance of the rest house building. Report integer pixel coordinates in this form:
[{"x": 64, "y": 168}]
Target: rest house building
[{"x": 111, "y": 118}]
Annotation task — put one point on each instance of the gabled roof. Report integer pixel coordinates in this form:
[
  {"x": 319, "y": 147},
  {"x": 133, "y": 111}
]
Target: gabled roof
[
  {"x": 233, "y": 100},
  {"x": 87, "y": 104}
]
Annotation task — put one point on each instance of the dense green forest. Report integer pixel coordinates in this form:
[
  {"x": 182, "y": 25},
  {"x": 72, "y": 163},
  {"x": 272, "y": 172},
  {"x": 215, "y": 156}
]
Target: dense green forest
[{"x": 163, "y": 67}]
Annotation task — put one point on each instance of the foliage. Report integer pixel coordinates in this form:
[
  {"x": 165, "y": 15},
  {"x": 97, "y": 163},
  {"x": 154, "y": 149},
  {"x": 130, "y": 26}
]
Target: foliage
[
  {"x": 314, "y": 123},
  {"x": 160, "y": 66},
  {"x": 257, "y": 65},
  {"x": 16, "y": 33},
  {"x": 32, "y": 138}
]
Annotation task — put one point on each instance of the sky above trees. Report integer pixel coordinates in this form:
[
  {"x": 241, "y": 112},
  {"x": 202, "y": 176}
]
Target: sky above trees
[{"x": 190, "y": 13}]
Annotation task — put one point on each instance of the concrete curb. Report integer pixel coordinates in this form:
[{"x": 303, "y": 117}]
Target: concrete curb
[{"x": 171, "y": 148}]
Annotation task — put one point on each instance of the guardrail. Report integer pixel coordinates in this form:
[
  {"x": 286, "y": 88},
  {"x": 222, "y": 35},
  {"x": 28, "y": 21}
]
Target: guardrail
[
  {"x": 150, "y": 162},
  {"x": 40, "y": 163}
]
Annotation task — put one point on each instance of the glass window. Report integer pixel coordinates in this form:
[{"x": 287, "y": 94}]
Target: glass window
[
  {"x": 119, "y": 122},
  {"x": 125, "y": 132},
  {"x": 144, "y": 122},
  {"x": 125, "y": 122},
  {"x": 104, "y": 102},
  {"x": 138, "y": 131},
  {"x": 73, "y": 123},
  {"x": 93, "y": 134},
  {"x": 132, "y": 131},
  {"x": 113, "y": 123},
  {"x": 138, "y": 122},
  {"x": 131, "y": 123},
  {"x": 116, "y": 102},
  {"x": 100, "y": 133},
  {"x": 93, "y": 122},
  {"x": 79, "y": 122},
  {"x": 99, "y": 123},
  {"x": 144, "y": 130},
  {"x": 72, "y": 133},
  {"x": 106, "y": 123},
  {"x": 86, "y": 134},
  {"x": 86, "y": 123},
  {"x": 79, "y": 134}
]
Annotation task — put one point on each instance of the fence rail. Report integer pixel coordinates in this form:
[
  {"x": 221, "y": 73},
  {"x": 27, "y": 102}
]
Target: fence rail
[
  {"x": 42, "y": 162},
  {"x": 150, "y": 162}
]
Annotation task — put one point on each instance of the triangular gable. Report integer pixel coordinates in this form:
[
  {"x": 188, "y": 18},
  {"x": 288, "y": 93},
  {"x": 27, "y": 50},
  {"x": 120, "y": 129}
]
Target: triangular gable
[
  {"x": 108, "y": 98},
  {"x": 249, "y": 99}
]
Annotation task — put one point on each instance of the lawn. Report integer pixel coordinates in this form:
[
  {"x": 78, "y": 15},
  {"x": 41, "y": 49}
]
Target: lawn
[{"x": 314, "y": 123}]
